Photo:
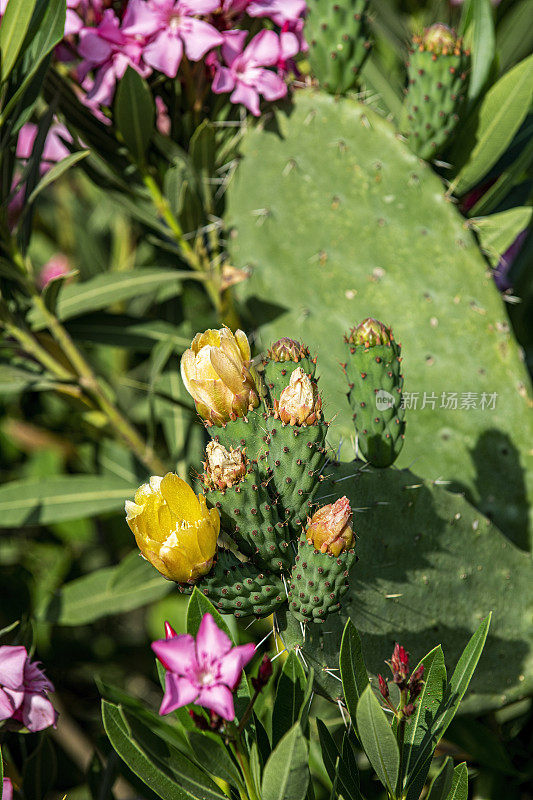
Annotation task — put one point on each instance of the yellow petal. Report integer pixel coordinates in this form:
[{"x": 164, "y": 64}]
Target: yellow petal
[
  {"x": 180, "y": 498},
  {"x": 187, "y": 368},
  {"x": 243, "y": 344},
  {"x": 226, "y": 370},
  {"x": 209, "y": 337}
]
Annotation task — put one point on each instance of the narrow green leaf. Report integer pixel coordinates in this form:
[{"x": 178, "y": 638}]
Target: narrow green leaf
[
  {"x": 492, "y": 128},
  {"x": 420, "y": 737},
  {"x": 107, "y": 591},
  {"x": 200, "y": 605},
  {"x": 480, "y": 37},
  {"x": 286, "y": 774},
  {"x": 15, "y": 23},
  {"x": 104, "y": 290},
  {"x": 134, "y": 113},
  {"x": 15, "y": 379},
  {"x": 378, "y": 740},
  {"x": 352, "y": 665},
  {"x": 121, "y": 330},
  {"x": 336, "y": 767},
  {"x": 214, "y": 757},
  {"x": 42, "y": 501},
  {"x": 442, "y": 782},
  {"x": 500, "y": 189},
  {"x": 51, "y": 291},
  {"x": 459, "y": 790},
  {"x": 514, "y": 35},
  {"x": 289, "y": 697},
  {"x": 498, "y": 231},
  {"x": 56, "y": 171}
]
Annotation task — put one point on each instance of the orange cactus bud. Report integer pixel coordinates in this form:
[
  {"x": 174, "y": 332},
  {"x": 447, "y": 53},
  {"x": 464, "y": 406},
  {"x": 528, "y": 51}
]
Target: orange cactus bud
[{"x": 330, "y": 528}]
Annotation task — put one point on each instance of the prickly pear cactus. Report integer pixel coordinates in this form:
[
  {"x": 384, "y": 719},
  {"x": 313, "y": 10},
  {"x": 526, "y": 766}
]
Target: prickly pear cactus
[
  {"x": 437, "y": 78},
  {"x": 339, "y": 43},
  {"x": 282, "y": 358},
  {"x": 240, "y": 588},
  {"x": 364, "y": 230},
  {"x": 373, "y": 371}
]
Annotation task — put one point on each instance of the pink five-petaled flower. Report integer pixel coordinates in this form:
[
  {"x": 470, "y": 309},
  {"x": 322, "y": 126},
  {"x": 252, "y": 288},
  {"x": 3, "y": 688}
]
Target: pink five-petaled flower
[
  {"x": 108, "y": 50},
  {"x": 245, "y": 75},
  {"x": 206, "y": 671},
  {"x": 23, "y": 690},
  {"x": 170, "y": 27}
]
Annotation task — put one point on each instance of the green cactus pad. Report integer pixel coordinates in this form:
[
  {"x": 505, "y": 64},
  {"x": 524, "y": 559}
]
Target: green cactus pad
[
  {"x": 358, "y": 226},
  {"x": 251, "y": 517},
  {"x": 375, "y": 379},
  {"x": 296, "y": 455},
  {"x": 246, "y": 432},
  {"x": 318, "y": 582},
  {"x": 239, "y": 588},
  {"x": 338, "y": 42},
  {"x": 435, "y": 95}
]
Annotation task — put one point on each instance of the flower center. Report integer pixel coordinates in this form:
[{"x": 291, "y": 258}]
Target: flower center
[
  {"x": 174, "y": 22},
  {"x": 205, "y": 677}
]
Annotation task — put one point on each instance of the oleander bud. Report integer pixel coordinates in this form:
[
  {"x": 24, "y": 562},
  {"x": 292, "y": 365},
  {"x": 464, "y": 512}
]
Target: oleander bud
[
  {"x": 299, "y": 402},
  {"x": 330, "y": 528},
  {"x": 383, "y": 687},
  {"x": 223, "y": 468},
  {"x": 173, "y": 528},
  {"x": 217, "y": 372}
]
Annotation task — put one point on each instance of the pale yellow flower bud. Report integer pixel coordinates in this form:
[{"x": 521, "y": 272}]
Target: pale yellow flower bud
[
  {"x": 299, "y": 402},
  {"x": 330, "y": 528},
  {"x": 217, "y": 373},
  {"x": 173, "y": 528}
]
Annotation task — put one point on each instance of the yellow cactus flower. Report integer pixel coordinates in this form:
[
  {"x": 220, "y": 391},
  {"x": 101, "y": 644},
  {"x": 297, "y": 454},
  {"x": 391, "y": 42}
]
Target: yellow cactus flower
[
  {"x": 217, "y": 373},
  {"x": 330, "y": 528},
  {"x": 173, "y": 528}
]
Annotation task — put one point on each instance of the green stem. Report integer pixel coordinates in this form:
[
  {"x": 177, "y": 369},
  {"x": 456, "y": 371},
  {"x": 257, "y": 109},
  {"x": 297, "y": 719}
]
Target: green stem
[
  {"x": 245, "y": 769},
  {"x": 247, "y": 713},
  {"x": 400, "y": 736},
  {"x": 89, "y": 383},
  {"x": 31, "y": 346}
]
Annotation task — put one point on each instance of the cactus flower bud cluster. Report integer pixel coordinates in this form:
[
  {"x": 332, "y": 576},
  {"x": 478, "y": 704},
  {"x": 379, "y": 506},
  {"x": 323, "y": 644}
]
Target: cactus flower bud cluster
[
  {"x": 370, "y": 332},
  {"x": 330, "y": 528},
  {"x": 299, "y": 402}
]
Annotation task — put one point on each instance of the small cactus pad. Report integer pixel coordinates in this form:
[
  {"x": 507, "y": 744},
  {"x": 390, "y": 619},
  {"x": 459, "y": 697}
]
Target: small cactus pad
[
  {"x": 375, "y": 393},
  {"x": 251, "y": 517},
  {"x": 296, "y": 455},
  {"x": 240, "y": 588},
  {"x": 318, "y": 582},
  {"x": 437, "y": 75},
  {"x": 337, "y": 33},
  {"x": 282, "y": 358},
  {"x": 243, "y": 432}
]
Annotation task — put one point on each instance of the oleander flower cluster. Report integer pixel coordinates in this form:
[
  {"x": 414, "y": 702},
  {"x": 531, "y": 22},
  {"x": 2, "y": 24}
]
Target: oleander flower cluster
[{"x": 173, "y": 37}]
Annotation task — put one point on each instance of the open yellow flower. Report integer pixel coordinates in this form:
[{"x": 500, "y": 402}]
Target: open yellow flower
[
  {"x": 173, "y": 528},
  {"x": 216, "y": 371}
]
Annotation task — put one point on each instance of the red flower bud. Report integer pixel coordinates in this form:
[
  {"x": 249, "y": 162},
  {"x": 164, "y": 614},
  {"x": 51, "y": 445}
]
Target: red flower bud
[
  {"x": 263, "y": 675},
  {"x": 383, "y": 687},
  {"x": 170, "y": 633},
  {"x": 408, "y": 710},
  {"x": 400, "y": 663}
]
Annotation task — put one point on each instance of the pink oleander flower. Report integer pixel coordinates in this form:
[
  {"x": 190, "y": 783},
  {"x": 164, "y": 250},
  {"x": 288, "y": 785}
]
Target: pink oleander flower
[
  {"x": 109, "y": 50},
  {"x": 279, "y": 11},
  {"x": 172, "y": 27},
  {"x": 54, "y": 148},
  {"x": 58, "y": 265},
  {"x": 244, "y": 74},
  {"x": 205, "y": 671},
  {"x": 24, "y": 690},
  {"x": 3, "y": 6},
  {"x": 7, "y": 789}
]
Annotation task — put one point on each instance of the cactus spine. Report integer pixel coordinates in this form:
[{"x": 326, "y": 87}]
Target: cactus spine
[
  {"x": 437, "y": 74},
  {"x": 338, "y": 42},
  {"x": 373, "y": 371}
]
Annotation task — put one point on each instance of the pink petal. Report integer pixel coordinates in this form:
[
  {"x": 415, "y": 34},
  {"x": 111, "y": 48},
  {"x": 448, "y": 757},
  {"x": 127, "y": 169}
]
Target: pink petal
[
  {"x": 140, "y": 18},
  {"x": 233, "y": 45},
  {"x": 25, "y": 142},
  {"x": 94, "y": 48},
  {"x": 263, "y": 50},
  {"x": 223, "y": 81},
  {"x": 219, "y": 699},
  {"x": 199, "y": 38},
  {"x": 164, "y": 53},
  {"x": 37, "y": 712},
  {"x": 279, "y": 11},
  {"x": 178, "y": 692},
  {"x": 7, "y": 789},
  {"x": 230, "y": 666},
  {"x": 12, "y": 662},
  {"x": 103, "y": 88},
  {"x": 290, "y": 46},
  {"x": 270, "y": 85},
  {"x": 34, "y": 678},
  {"x": 248, "y": 97},
  {"x": 211, "y": 642},
  {"x": 10, "y": 700},
  {"x": 198, "y": 6},
  {"x": 73, "y": 24},
  {"x": 177, "y": 655}
]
